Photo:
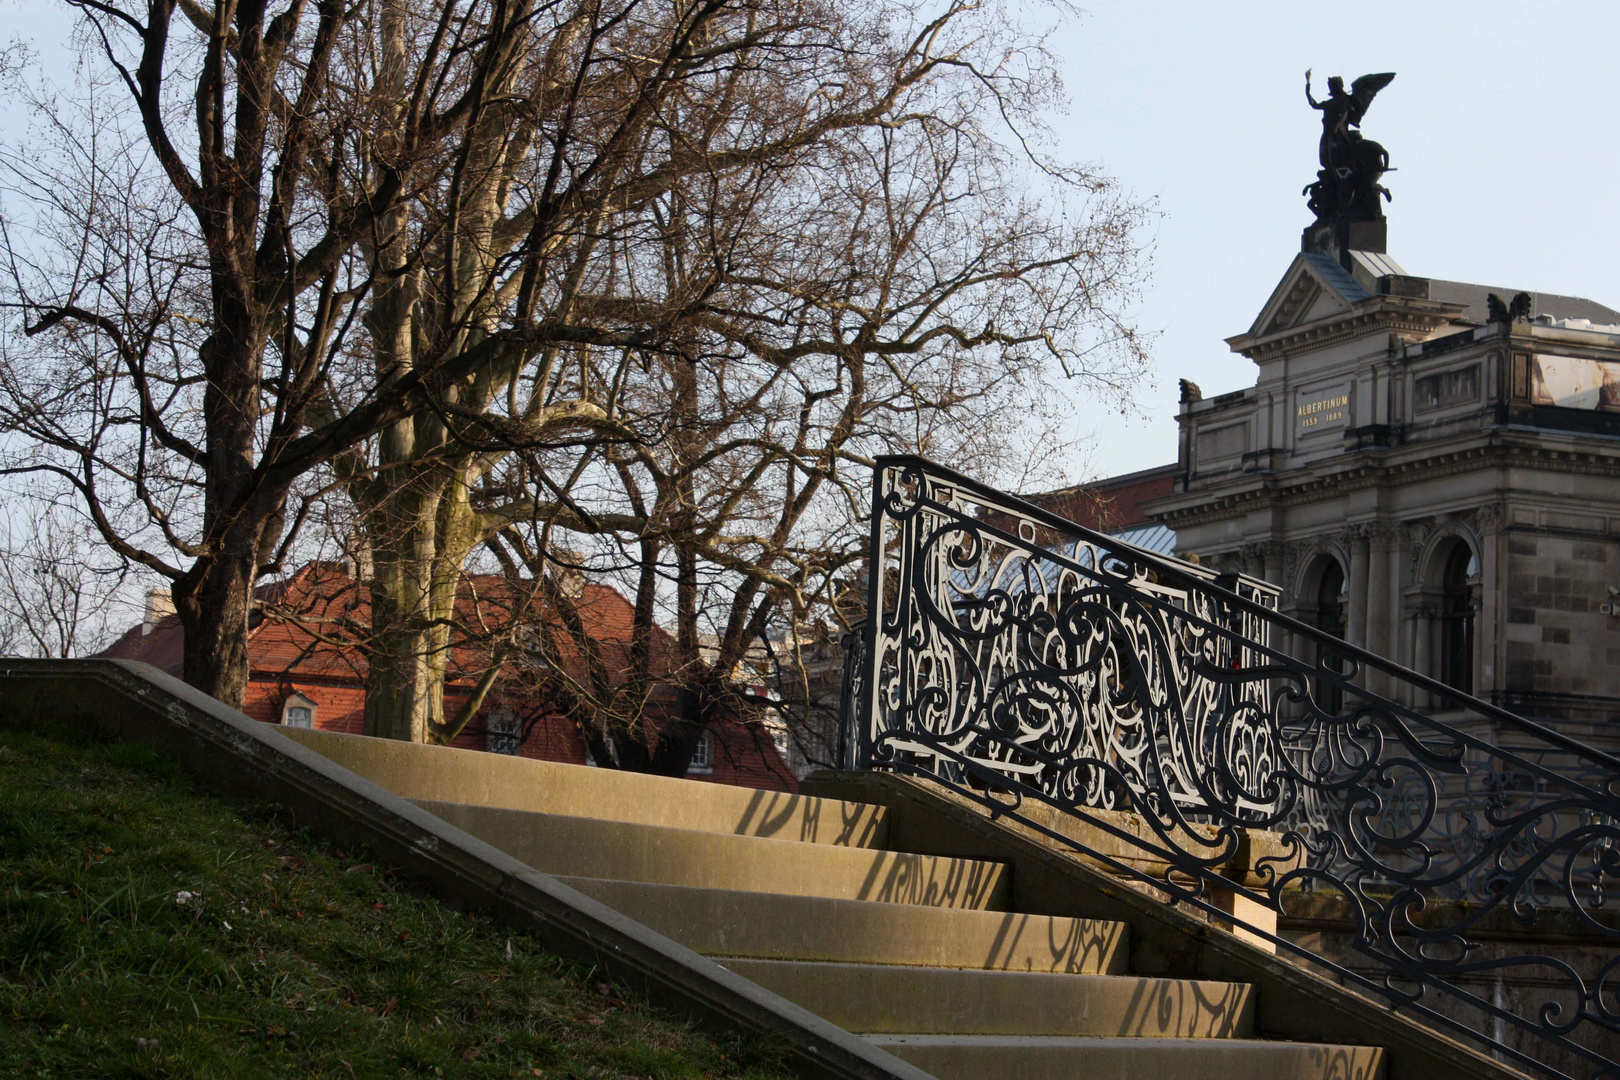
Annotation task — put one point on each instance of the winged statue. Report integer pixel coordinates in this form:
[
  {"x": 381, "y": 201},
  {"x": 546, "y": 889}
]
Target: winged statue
[
  {"x": 1341, "y": 111},
  {"x": 1351, "y": 165}
]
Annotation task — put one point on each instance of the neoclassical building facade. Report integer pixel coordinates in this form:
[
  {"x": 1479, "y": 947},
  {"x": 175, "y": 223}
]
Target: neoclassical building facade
[{"x": 1429, "y": 471}]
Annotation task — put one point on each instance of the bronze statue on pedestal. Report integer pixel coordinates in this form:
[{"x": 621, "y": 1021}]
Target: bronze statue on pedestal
[{"x": 1346, "y": 186}]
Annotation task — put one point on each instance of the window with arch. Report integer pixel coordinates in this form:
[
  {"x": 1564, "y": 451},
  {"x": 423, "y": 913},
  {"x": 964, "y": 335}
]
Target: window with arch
[
  {"x": 1327, "y": 591},
  {"x": 1457, "y": 617},
  {"x": 298, "y": 711},
  {"x": 1331, "y": 590}
]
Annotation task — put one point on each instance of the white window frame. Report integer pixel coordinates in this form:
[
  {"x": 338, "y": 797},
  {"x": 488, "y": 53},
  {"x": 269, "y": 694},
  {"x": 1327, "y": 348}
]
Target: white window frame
[
  {"x": 299, "y": 702},
  {"x": 702, "y": 761}
]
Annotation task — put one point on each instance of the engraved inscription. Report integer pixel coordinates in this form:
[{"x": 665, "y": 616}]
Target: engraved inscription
[{"x": 1322, "y": 411}]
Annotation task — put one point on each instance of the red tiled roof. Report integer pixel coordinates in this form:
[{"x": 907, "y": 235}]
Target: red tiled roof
[
  {"x": 1112, "y": 504},
  {"x": 162, "y": 645},
  {"x": 312, "y": 624},
  {"x": 303, "y": 643}
]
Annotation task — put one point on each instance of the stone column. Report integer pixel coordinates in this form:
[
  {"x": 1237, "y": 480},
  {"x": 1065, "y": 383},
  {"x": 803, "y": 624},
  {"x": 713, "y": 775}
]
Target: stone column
[
  {"x": 1253, "y": 560},
  {"x": 1282, "y": 562},
  {"x": 1409, "y": 636},
  {"x": 1423, "y": 616},
  {"x": 1273, "y": 563}
]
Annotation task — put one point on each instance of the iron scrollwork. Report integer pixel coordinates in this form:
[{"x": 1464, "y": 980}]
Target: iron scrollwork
[{"x": 1024, "y": 661}]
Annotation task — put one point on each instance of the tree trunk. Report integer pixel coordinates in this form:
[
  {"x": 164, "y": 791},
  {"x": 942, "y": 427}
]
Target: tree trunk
[
  {"x": 213, "y": 607},
  {"x": 421, "y": 531},
  {"x": 216, "y": 597},
  {"x": 405, "y": 690}
]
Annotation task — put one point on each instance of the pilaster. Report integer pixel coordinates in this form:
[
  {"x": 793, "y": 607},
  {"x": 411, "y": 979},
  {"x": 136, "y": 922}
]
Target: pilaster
[
  {"x": 1383, "y": 543},
  {"x": 1357, "y": 629},
  {"x": 1490, "y": 665}
]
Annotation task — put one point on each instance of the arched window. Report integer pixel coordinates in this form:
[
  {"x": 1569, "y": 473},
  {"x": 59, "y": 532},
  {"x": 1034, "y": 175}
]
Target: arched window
[
  {"x": 1457, "y": 618},
  {"x": 1328, "y": 613},
  {"x": 1330, "y": 596},
  {"x": 298, "y": 711}
]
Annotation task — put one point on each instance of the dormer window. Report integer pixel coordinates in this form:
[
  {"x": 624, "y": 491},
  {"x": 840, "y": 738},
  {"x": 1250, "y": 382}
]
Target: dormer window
[{"x": 298, "y": 711}]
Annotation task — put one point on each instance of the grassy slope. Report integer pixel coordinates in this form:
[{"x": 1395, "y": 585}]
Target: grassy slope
[{"x": 288, "y": 958}]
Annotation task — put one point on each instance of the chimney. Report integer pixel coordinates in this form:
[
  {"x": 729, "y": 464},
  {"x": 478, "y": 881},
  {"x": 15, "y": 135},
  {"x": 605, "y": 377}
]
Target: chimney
[
  {"x": 159, "y": 606},
  {"x": 568, "y": 569},
  {"x": 357, "y": 556}
]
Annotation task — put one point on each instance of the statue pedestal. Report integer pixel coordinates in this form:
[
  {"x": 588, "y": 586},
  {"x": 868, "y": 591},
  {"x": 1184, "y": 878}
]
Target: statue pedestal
[
  {"x": 1366, "y": 235},
  {"x": 1335, "y": 238}
]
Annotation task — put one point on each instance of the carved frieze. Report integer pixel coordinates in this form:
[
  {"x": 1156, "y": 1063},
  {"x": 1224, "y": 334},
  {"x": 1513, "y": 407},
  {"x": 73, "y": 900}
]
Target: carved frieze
[
  {"x": 1417, "y": 542},
  {"x": 1490, "y": 519}
]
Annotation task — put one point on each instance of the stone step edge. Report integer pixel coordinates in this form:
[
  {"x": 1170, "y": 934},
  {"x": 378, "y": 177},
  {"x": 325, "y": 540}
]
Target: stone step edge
[
  {"x": 1064, "y": 1057},
  {"x": 1142, "y": 1042},
  {"x": 748, "y": 804},
  {"x": 979, "y": 882},
  {"x": 1235, "y": 1010},
  {"x": 774, "y": 842},
  {"x": 853, "y": 910}
]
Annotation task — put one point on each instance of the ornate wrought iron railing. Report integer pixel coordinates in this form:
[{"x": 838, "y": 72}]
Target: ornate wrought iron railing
[{"x": 1024, "y": 661}]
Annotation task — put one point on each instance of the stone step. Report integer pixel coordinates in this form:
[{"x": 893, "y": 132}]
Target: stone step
[
  {"x": 586, "y": 847},
  {"x": 771, "y": 926},
  {"x": 866, "y": 998},
  {"x": 970, "y": 1057},
  {"x": 446, "y": 774}
]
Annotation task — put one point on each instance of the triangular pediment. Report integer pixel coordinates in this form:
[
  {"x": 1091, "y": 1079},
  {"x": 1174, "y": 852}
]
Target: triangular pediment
[{"x": 1314, "y": 288}]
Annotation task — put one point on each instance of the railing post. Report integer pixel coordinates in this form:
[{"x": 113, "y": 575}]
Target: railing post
[
  {"x": 1245, "y": 917},
  {"x": 850, "y": 699}
]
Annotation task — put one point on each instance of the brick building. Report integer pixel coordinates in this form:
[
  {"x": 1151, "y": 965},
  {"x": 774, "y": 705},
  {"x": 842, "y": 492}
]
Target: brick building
[
  {"x": 1118, "y": 506},
  {"x": 301, "y": 673}
]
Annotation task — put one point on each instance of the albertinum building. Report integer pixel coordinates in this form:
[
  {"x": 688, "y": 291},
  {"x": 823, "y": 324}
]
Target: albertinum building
[{"x": 1431, "y": 470}]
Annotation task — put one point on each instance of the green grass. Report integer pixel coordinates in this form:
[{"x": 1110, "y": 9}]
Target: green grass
[{"x": 149, "y": 930}]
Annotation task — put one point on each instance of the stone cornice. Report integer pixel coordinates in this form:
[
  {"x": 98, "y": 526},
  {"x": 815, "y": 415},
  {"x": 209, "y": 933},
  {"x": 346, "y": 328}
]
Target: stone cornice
[
  {"x": 1303, "y": 486},
  {"x": 1327, "y": 334},
  {"x": 1381, "y": 314}
]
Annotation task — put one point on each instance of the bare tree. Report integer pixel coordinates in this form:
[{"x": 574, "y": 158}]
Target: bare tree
[
  {"x": 910, "y": 284},
  {"x": 192, "y": 241},
  {"x": 642, "y": 279},
  {"x": 60, "y": 589},
  {"x": 720, "y": 175}
]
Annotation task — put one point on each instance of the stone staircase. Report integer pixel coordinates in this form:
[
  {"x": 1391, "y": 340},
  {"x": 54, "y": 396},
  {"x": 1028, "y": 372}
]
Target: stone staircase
[{"x": 924, "y": 955}]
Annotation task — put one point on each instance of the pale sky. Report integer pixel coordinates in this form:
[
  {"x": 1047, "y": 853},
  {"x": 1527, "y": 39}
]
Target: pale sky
[{"x": 1502, "y": 122}]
